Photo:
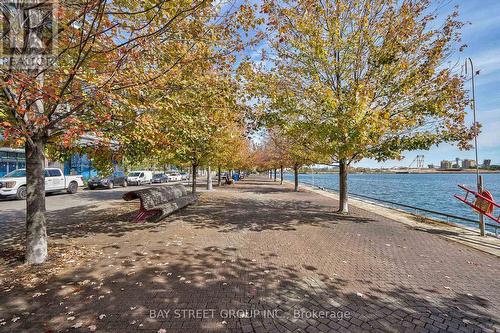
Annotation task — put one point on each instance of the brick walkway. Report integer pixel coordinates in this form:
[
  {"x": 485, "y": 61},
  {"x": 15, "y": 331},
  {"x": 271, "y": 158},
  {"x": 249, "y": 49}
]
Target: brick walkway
[{"x": 258, "y": 257}]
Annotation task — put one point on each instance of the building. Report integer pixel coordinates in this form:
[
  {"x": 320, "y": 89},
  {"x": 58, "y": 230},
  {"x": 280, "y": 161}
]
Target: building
[
  {"x": 15, "y": 158},
  {"x": 446, "y": 164},
  {"x": 11, "y": 159},
  {"x": 486, "y": 163},
  {"x": 79, "y": 165},
  {"x": 468, "y": 164}
]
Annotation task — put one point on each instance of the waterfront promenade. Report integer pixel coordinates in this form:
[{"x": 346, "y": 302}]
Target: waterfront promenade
[{"x": 285, "y": 258}]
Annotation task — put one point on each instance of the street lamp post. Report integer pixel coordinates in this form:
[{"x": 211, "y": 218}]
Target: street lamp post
[{"x": 479, "y": 179}]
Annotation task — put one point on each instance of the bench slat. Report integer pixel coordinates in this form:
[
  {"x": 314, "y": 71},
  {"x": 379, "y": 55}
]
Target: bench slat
[{"x": 160, "y": 200}]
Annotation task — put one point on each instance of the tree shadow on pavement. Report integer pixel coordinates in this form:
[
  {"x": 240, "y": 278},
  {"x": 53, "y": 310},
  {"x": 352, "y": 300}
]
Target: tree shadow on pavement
[
  {"x": 147, "y": 285},
  {"x": 274, "y": 188},
  {"x": 261, "y": 214},
  {"x": 81, "y": 221},
  {"x": 140, "y": 291}
]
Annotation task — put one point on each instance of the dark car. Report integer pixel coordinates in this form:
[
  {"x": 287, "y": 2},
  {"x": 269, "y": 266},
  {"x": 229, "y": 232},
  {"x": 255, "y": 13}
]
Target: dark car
[
  {"x": 118, "y": 178},
  {"x": 160, "y": 178}
]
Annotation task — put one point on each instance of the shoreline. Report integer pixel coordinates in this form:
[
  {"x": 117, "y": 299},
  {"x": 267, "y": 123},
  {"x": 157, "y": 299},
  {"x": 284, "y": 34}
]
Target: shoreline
[
  {"x": 449, "y": 230},
  {"x": 405, "y": 172}
]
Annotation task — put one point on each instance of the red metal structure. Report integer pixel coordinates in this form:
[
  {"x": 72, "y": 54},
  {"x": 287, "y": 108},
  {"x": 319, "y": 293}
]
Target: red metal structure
[{"x": 482, "y": 202}]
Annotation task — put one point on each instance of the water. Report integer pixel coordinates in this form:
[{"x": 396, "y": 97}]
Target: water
[{"x": 428, "y": 191}]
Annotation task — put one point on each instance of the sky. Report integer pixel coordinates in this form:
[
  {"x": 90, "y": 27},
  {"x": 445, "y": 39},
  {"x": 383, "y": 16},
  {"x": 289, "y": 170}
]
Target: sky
[{"x": 482, "y": 35}]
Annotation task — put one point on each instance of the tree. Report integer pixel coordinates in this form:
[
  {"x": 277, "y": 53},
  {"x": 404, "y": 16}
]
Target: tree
[
  {"x": 196, "y": 114},
  {"x": 205, "y": 118},
  {"x": 233, "y": 148},
  {"x": 108, "y": 53},
  {"x": 279, "y": 105},
  {"x": 372, "y": 75},
  {"x": 288, "y": 146}
]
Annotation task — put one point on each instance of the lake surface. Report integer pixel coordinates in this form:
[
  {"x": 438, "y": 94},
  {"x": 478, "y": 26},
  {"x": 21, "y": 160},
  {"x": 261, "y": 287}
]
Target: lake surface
[{"x": 428, "y": 191}]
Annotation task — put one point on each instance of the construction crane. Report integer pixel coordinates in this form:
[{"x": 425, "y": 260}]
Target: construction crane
[{"x": 419, "y": 161}]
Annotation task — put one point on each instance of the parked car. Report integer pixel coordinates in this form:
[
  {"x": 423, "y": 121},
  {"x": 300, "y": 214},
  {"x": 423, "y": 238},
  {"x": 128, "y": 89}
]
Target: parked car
[
  {"x": 160, "y": 178},
  {"x": 185, "y": 176},
  {"x": 14, "y": 183},
  {"x": 223, "y": 176},
  {"x": 118, "y": 178},
  {"x": 174, "y": 177},
  {"x": 140, "y": 177}
]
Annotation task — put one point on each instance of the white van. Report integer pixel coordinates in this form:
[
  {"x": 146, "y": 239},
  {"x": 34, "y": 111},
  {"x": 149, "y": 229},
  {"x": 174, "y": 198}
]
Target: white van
[{"x": 140, "y": 177}]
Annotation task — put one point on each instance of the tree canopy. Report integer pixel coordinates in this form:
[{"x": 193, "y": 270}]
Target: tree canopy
[
  {"x": 167, "y": 82},
  {"x": 363, "y": 79}
]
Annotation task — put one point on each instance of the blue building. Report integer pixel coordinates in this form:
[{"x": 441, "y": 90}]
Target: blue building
[
  {"x": 79, "y": 165},
  {"x": 11, "y": 159},
  {"x": 15, "y": 158}
]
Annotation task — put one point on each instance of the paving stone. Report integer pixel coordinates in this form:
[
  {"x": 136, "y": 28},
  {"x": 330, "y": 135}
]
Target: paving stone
[{"x": 265, "y": 248}]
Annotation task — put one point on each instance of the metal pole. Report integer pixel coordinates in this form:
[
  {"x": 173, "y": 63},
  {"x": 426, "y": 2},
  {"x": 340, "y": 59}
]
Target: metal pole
[
  {"x": 474, "y": 115},
  {"x": 481, "y": 217},
  {"x": 479, "y": 179}
]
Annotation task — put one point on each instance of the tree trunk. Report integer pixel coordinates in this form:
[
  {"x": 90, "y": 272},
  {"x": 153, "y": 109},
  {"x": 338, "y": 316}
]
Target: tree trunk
[
  {"x": 193, "y": 183},
  {"x": 274, "y": 174},
  {"x": 281, "y": 175},
  {"x": 209, "y": 179},
  {"x": 296, "y": 177},
  {"x": 219, "y": 179},
  {"x": 343, "y": 173},
  {"x": 36, "y": 226}
]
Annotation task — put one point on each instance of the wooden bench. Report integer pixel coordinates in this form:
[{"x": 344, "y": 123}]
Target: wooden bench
[{"x": 157, "y": 202}]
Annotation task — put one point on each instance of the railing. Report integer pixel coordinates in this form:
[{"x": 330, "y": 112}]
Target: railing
[{"x": 416, "y": 210}]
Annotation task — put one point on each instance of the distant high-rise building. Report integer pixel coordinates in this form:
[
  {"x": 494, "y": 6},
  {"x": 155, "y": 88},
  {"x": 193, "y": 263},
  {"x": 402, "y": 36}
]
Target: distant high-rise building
[
  {"x": 446, "y": 164},
  {"x": 431, "y": 166},
  {"x": 486, "y": 163},
  {"x": 468, "y": 164}
]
